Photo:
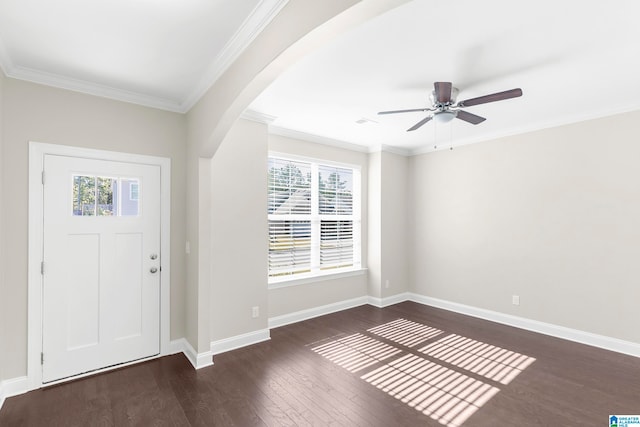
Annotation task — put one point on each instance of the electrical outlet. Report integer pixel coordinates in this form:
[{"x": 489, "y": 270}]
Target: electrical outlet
[
  {"x": 515, "y": 300},
  {"x": 386, "y": 283},
  {"x": 255, "y": 312}
]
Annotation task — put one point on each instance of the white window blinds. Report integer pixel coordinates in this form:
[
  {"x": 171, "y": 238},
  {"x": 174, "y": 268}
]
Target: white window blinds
[{"x": 314, "y": 218}]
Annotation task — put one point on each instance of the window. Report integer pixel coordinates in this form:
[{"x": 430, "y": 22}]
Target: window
[
  {"x": 105, "y": 196},
  {"x": 314, "y": 218}
]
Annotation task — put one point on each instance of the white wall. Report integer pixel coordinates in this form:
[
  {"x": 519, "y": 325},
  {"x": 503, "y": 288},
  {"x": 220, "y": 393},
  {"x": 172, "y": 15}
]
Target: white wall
[
  {"x": 288, "y": 300},
  {"x": 38, "y": 113},
  {"x": 551, "y": 216},
  {"x": 238, "y": 224}
]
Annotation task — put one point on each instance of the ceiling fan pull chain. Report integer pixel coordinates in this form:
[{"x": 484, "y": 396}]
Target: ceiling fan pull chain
[
  {"x": 451, "y": 137},
  {"x": 435, "y": 137}
]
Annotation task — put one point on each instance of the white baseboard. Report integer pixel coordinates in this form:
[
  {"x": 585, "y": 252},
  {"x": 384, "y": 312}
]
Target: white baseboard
[
  {"x": 238, "y": 341},
  {"x": 588, "y": 338},
  {"x": 299, "y": 316},
  {"x": 386, "y": 302},
  {"x": 13, "y": 387},
  {"x": 198, "y": 360}
]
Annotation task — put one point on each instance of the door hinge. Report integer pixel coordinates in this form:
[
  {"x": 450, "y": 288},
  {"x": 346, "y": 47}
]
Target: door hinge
[
  {"x": 42, "y": 267},
  {"x": 42, "y": 177},
  {"x": 42, "y": 358}
]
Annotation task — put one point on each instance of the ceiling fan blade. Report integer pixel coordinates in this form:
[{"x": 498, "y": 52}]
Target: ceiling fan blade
[
  {"x": 443, "y": 92},
  {"x": 468, "y": 117},
  {"x": 405, "y": 111},
  {"x": 507, "y": 94},
  {"x": 420, "y": 123}
]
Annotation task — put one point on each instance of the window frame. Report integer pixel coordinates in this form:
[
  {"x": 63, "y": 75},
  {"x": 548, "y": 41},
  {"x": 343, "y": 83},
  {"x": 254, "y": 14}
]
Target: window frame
[{"x": 315, "y": 217}]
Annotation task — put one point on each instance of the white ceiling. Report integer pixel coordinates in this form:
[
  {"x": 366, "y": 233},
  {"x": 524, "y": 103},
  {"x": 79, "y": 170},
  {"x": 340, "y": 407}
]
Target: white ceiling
[
  {"x": 573, "y": 59},
  {"x": 160, "y": 53}
]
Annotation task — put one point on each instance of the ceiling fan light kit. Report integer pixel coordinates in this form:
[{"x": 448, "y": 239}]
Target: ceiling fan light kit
[
  {"x": 445, "y": 116},
  {"x": 445, "y": 108}
]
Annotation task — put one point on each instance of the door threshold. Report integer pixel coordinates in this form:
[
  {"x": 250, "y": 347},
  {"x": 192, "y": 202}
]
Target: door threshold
[{"x": 100, "y": 371}]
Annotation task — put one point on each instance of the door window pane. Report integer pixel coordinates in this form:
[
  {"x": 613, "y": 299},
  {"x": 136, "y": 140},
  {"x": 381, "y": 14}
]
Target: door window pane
[
  {"x": 130, "y": 195},
  {"x": 105, "y": 189},
  {"x": 84, "y": 195},
  {"x": 105, "y": 196}
]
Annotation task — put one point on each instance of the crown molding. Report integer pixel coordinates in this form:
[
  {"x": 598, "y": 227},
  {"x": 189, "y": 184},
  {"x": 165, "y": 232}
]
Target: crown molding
[
  {"x": 257, "y": 21},
  {"x": 568, "y": 120},
  {"x": 256, "y": 116},
  {"x": 82, "y": 86},
  {"x": 6, "y": 64},
  {"x": 391, "y": 149},
  {"x": 533, "y": 127},
  {"x": 317, "y": 139},
  {"x": 259, "y": 18}
]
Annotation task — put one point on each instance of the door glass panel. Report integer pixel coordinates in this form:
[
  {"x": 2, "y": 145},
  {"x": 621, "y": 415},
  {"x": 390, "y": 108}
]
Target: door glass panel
[
  {"x": 105, "y": 196},
  {"x": 129, "y": 199},
  {"x": 84, "y": 195},
  {"x": 105, "y": 189}
]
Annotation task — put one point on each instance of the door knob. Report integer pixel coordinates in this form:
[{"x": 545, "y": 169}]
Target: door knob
[
  {"x": 153, "y": 256},
  {"x": 153, "y": 269}
]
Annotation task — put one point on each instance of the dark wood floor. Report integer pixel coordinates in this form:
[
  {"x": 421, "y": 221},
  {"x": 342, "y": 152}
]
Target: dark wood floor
[{"x": 405, "y": 365}]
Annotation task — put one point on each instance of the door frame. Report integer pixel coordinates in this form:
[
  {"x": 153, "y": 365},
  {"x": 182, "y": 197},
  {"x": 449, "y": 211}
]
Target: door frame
[{"x": 37, "y": 152}]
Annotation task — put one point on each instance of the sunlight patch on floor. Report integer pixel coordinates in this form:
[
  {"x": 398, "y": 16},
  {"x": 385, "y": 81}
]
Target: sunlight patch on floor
[
  {"x": 491, "y": 362},
  {"x": 405, "y": 332},
  {"x": 356, "y": 352},
  {"x": 443, "y": 394},
  {"x": 440, "y": 379}
]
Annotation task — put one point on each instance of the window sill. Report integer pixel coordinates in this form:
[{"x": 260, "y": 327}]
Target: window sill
[{"x": 284, "y": 283}]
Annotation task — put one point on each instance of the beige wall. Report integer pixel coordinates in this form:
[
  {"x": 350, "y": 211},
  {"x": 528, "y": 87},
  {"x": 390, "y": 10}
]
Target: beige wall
[
  {"x": 192, "y": 191},
  {"x": 3, "y": 292},
  {"x": 43, "y": 114},
  {"x": 374, "y": 284},
  {"x": 551, "y": 216},
  {"x": 238, "y": 225},
  {"x": 388, "y": 263},
  {"x": 232, "y": 260},
  {"x": 394, "y": 214},
  {"x": 300, "y": 297}
]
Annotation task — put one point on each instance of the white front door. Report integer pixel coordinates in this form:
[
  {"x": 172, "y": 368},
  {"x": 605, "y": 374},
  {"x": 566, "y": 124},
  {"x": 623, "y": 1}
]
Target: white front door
[{"x": 101, "y": 270}]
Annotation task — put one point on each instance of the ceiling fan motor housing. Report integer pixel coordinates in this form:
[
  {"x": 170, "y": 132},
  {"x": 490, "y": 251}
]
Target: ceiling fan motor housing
[{"x": 435, "y": 103}]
